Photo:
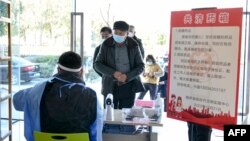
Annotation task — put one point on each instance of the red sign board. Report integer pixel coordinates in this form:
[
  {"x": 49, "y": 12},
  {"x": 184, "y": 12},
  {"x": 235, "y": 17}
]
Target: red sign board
[{"x": 204, "y": 66}]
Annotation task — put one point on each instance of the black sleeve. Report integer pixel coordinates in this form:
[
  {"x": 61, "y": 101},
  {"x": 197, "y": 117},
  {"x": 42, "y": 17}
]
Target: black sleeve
[
  {"x": 141, "y": 48},
  {"x": 95, "y": 55},
  {"x": 164, "y": 77}
]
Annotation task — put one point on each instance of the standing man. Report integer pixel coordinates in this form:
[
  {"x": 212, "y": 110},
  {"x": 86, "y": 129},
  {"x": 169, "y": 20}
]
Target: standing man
[
  {"x": 120, "y": 62},
  {"x": 62, "y": 104},
  {"x": 105, "y": 32},
  {"x": 131, "y": 34}
]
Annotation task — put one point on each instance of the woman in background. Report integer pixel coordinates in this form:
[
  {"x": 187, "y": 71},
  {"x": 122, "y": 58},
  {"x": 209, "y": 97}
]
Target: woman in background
[{"x": 151, "y": 76}]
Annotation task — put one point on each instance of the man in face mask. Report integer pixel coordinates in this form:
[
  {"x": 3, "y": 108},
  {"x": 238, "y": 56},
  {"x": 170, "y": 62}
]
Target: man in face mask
[
  {"x": 120, "y": 63},
  {"x": 105, "y": 32}
]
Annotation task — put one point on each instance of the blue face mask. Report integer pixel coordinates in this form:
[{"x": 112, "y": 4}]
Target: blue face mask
[
  {"x": 118, "y": 38},
  {"x": 149, "y": 63}
]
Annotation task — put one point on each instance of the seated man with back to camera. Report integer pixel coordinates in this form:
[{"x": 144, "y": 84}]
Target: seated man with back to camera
[{"x": 62, "y": 104}]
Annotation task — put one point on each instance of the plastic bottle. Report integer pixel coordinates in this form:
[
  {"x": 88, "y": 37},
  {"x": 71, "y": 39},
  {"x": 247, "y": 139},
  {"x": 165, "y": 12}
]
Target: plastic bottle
[
  {"x": 109, "y": 107},
  {"x": 158, "y": 104}
]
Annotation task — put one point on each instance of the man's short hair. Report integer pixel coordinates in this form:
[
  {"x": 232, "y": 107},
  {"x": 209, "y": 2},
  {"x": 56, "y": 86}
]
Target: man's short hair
[
  {"x": 106, "y": 29},
  {"x": 121, "y": 25},
  {"x": 131, "y": 26},
  {"x": 70, "y": 60}
]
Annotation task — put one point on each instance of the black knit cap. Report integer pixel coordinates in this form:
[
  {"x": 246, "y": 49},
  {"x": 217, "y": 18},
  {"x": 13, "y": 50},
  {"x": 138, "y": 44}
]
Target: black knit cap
[
  {"x": 70, "y": 59},
  {"x": 121, "y": 25}
]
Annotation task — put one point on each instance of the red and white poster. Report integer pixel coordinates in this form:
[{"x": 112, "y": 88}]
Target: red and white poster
[{"x": 204, "y": 66}]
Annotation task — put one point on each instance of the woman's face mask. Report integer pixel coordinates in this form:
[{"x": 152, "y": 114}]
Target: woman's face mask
[
  {"x": 149, "y": 62},
  {"x": 118, "y": 38}
]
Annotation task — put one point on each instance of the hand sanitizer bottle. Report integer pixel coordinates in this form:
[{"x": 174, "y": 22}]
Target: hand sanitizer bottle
[{"x": 109, "y": 107}]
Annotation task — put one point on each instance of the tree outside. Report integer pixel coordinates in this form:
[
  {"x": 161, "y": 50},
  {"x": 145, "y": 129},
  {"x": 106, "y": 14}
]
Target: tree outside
[{"x": 47, "y": 31}]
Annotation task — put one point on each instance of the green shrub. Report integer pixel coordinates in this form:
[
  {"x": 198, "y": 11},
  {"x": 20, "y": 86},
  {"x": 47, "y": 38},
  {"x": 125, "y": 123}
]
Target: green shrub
[{"x": 47, "y": 64}]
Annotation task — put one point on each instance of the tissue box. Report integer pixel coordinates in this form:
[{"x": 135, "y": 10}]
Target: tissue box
[{"x": 144, "y": 103}]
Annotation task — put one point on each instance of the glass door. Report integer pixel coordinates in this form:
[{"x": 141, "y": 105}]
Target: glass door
[
  {"x": 40, "y": 33},
  {"x": 82, "y": 39},
  {"x": 76, "y": 36}
]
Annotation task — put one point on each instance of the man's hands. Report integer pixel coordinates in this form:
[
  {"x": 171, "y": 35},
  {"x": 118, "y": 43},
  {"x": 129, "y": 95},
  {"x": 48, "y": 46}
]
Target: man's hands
[
  {"x": 120, "y": 76},
  {"x": 117, "y": 74}
]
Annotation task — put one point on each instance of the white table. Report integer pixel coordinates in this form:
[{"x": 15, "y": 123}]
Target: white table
[{"x": 120, "y": 120}]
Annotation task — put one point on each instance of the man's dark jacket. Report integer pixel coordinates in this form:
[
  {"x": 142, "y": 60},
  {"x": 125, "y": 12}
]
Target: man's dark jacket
[
  {"x": 105, "y": 64},
  {"x": 70, "y": 109},
  {"x": 95, "y": 55},
  {"x": 138, "y": 40}
]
